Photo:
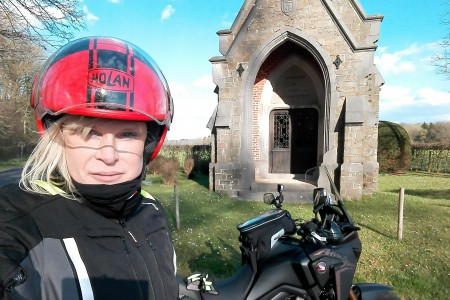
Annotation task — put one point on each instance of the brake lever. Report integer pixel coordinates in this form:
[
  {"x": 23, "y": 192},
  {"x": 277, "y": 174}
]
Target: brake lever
[
  {"x": 318, "y": 237},
  {"x": 350, "y": 227},
  {"x": 308, "y": 231}
]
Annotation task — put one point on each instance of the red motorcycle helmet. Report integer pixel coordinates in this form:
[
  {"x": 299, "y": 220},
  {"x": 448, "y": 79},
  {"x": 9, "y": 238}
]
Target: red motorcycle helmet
[{"x": 104, "y": 77}]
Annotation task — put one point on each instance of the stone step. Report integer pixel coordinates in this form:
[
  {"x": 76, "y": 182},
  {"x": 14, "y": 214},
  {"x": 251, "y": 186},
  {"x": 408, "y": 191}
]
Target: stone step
[{"x": 294, "y": 192}]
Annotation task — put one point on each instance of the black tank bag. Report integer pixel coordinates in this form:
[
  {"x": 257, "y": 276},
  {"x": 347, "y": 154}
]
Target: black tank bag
[{"x": 259, "y": 235}]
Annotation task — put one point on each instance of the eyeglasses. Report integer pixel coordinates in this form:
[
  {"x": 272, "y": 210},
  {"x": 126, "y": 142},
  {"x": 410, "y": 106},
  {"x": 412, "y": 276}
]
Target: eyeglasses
[{"x": 131, "y": 141}]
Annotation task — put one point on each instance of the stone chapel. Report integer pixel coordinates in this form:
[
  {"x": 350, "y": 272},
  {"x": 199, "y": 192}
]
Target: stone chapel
[{"x": 297, "y": 88}]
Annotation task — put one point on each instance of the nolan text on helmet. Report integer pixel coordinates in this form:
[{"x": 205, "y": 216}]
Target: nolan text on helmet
[{"x": 111, "y": 80}]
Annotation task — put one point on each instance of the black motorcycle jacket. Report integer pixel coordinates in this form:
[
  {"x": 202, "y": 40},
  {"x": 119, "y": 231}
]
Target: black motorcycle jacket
[{"x": 52, "y": 247}]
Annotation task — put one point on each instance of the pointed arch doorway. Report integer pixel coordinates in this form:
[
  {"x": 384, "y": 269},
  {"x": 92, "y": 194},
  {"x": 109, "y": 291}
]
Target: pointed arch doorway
[
  {"x": 293, "y": 101},
  {"x": 294, "y": 135}
]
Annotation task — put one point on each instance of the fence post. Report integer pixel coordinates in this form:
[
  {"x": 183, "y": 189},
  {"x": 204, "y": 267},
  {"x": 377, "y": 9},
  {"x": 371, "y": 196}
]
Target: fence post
[
  {"x": 401, "y": 201},
  {"x": 177, "y": 206}
]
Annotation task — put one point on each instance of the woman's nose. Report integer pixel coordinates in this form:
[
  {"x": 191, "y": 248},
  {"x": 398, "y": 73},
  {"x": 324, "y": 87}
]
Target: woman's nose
[{"x": 107, "y": 150}]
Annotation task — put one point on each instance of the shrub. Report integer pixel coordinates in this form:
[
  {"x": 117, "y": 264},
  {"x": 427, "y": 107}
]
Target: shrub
[
  {"x": 177, "y": 152},
  {"x": 166, "y": 167},
  {"x": 169, "y": 171},
  {"x": 394, "y": 148},
  {"x": 154, "y": 167},
  {"x": 188, "y": 166},
  {"x": 200, "y": 153}
]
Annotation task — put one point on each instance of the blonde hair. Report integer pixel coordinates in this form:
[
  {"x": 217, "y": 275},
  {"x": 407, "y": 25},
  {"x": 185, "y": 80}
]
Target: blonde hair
[{"x": 47, "y": 163}]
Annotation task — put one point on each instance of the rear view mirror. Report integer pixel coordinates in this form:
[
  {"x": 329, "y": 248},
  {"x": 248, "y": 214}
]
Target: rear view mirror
[
  {"x": 280, "y": 188},
  {"x": 269, "y": 198},
  {"x": 320, "y": 199}
]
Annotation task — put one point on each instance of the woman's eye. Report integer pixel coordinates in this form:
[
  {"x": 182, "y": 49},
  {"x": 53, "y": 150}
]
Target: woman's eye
[
  {"x": 93, "y": 133},
  {"x": 128, "y": 135}
]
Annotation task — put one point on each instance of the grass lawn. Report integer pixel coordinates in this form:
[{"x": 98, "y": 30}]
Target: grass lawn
[
  {"x": 418, "y": 266},
  {"x": 10, "y": 164}
]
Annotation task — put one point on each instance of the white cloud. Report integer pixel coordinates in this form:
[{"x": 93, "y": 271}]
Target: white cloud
[
  {"x": 432, "y": 97},
  {"x": 55, "y": 12},
  {"x": 393, "y": 97},
  {"x": 409, "y": 105},
  {"x": 412, "y": 49},
  {"x": 407, "y": 60},
  {"x": 177, "y": 88},
  {"x": 115, "y": 1},
  {"x": 226, "y": 23},
  {"x": 441, "y": 117},
  {"x": 194, "y": 104},
  {"x": 393, "y": 63},
  {"x": 167, "y": 12},
  {"x": 204, "y": 82},
  {"x": 24, "y": 14},
  {"x": 89, "y": 16}
]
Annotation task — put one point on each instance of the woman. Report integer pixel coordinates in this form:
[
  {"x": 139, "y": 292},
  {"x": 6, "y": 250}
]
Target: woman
[{"x": 79, "y": 226}]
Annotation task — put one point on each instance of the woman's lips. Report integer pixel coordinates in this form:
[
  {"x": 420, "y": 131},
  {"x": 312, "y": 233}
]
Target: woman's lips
[{"x": 106, "y": 176}]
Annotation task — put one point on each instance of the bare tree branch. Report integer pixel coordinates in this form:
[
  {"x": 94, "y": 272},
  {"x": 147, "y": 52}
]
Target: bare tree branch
[
  {"x": 42, "y": 22},
  {"x": 441, "y": 61}
]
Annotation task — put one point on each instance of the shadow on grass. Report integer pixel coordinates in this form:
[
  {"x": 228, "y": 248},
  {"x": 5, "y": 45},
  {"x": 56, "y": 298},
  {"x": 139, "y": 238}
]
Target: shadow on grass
[
  {"x": 375, "y": 230},
  {"x": 443, "y": 194},
  {"x": 429, "y": 174},
  {"x": 201, "y": 179},
  {"x": 213, "y": 263}
]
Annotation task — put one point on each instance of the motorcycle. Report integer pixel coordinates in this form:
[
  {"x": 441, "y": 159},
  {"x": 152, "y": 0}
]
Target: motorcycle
[{"x": 290, "y": 259}]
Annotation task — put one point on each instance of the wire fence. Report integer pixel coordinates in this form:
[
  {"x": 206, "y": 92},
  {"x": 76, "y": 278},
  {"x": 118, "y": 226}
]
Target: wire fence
[{"x": 430, "y": 160}]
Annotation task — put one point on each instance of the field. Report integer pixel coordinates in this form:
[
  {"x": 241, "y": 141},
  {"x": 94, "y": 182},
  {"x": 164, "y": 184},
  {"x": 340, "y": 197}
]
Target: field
[{"x": 418, "y": 266}]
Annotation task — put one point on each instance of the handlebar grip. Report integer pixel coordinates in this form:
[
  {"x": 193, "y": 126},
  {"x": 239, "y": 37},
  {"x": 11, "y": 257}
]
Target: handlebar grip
[{"x": 307, "y": 229}]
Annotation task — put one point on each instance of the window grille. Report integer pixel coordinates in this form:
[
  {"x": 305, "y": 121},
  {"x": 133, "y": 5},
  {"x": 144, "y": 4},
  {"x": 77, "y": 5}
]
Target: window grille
[{"x": 281, "y": 130}]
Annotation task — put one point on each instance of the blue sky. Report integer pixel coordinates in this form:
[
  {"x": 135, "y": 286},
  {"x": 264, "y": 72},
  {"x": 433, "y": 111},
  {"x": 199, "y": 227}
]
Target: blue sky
[{"x": 181, "y": 36}]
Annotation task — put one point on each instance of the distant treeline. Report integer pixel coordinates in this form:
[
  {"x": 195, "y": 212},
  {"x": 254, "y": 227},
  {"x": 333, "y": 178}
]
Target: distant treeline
[
  {"x": 431, "y": 134},
  {"x": 430, "y": 146},
  {"x": 429, "y": 149},
  {"x": 415, "y": 147}
]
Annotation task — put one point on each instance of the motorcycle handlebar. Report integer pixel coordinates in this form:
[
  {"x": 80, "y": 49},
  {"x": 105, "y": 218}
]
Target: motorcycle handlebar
[{"x": 327, "y": 230}]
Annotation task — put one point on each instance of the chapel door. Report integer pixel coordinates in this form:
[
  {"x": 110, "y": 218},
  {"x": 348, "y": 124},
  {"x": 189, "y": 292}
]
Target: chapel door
[
  {"x": 304, "y": 139},
  {"x": 294, "y": 140}
]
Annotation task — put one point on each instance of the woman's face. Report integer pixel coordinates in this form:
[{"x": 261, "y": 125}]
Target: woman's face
[{"x": 111, "y": 153}]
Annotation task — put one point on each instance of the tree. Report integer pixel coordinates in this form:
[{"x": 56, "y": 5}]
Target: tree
[
  {"x": 394, "y": 147},
  {"x": 429, "y": 133},
  {"x": 27, "y": 28},
  {"x": 441, "y": 61},
  {"x": 16, "y": 81},
  {"x": 41, "y": 22}
]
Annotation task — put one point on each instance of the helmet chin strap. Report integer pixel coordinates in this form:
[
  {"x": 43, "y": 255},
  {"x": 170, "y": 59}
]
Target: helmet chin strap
[
  {"x": 150, "y": 146},
  {"x": 154, "y": 132},
  {"x": 49, "y": 120},
  {"x": 144, "y": 172},
  {"x": 148, "y": 151}
]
